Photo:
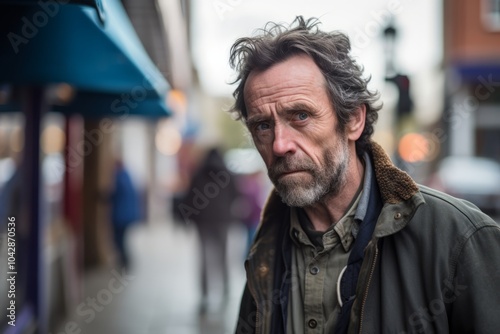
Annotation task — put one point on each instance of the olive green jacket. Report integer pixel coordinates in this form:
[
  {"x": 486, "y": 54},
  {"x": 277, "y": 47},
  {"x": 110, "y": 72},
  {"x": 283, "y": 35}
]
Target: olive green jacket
[{"x": 432, "y": 265}]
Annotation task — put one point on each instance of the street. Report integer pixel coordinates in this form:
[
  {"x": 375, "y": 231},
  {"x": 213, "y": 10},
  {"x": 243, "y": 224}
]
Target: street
[{"x": 161, "y": 292}]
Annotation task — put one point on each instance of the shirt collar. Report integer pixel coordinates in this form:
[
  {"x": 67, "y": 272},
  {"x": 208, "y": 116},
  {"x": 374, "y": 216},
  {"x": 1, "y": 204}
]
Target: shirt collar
[
  {"x": 365, "y": 194},
  {"x": 298, "y": 234}
]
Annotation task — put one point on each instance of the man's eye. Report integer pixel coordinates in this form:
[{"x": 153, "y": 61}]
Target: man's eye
[
  {"x": 302, "y": 116},
  {"x": 262, "y": 126}
]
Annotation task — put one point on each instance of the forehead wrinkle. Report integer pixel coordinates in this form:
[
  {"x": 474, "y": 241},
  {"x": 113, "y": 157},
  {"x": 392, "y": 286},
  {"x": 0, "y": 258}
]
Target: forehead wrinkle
[
  {"x": 295, "y": 104},
  {"x": 281, "y": 96},
  {"x": 272, "y": 85}
]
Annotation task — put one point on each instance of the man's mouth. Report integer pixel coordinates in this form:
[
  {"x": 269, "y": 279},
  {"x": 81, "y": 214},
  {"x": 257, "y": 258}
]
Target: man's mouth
[{"x": 291, "y": 172}]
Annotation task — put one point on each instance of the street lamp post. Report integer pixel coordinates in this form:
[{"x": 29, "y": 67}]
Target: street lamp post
[
  {"x": 404, "y": 106},
  {"x": 402, "y": 81},
  {"x": 390, "y": 34}
]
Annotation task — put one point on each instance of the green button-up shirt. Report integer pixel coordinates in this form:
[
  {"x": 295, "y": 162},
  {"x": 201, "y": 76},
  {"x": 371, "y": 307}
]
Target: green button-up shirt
[{"x": 317, "y": 261}]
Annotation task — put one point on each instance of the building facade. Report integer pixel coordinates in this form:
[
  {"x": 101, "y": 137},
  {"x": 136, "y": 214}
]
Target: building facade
[{"x": 472, "y": 65}]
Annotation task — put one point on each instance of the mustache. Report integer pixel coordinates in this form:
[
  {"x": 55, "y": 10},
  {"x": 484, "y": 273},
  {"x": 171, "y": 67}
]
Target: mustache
[{"x": 289, "y": 164}]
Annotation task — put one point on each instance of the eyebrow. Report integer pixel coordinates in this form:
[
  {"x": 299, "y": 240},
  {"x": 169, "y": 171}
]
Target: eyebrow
[
  {"x": 288, "y": 108},
  {"x": 252, "y": 120}
]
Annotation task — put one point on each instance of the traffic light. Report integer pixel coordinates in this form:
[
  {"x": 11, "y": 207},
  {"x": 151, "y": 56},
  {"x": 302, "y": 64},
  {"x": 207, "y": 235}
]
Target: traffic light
[{"x": 405, "y": 103}]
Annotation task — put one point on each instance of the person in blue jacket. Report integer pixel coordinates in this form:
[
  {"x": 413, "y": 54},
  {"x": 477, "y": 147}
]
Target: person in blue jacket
[{"x": 126, "y": 210}]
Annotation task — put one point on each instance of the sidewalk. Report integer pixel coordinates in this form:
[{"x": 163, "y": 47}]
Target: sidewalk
[{"x": 161, "y": 294}]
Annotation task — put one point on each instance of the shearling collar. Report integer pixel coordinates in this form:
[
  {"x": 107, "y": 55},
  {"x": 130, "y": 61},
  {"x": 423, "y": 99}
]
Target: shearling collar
[{"x": 394, "y": 184}]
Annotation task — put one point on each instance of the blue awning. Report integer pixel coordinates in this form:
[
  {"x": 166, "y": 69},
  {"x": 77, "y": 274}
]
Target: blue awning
[
  {"x": 98, "y": 105},
  {"x": 100, "y": 56}
]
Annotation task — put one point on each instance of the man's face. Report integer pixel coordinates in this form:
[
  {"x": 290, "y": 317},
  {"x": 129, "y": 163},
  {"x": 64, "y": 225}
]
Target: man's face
[{"x": 295, "y": 129}]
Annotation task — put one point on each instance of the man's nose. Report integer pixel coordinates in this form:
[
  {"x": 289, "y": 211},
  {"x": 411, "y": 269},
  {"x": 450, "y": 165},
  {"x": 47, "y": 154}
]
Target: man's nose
[{"x": 284, "y": 142}]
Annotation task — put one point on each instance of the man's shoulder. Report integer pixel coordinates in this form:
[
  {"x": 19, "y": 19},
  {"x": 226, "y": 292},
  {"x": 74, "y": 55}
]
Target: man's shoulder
[
  {"x": 442, "y": 228},
  {"x": 452, "y": 209}
]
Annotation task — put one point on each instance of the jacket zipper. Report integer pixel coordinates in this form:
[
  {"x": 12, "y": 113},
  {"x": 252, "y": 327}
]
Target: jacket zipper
[{"x": 365, "y": 297}]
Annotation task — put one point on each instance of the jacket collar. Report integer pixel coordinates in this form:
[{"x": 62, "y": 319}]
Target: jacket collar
[
  {"x": 400, "y": 194},
  {"x": 394, "y": 184}
]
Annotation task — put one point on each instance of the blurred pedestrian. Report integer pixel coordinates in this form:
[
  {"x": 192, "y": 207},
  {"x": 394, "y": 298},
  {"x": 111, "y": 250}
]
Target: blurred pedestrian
[
  {"x": 208, "y": 206},
  {"x": 125, "y": 210},
  {"x": 250, "y": 203}
]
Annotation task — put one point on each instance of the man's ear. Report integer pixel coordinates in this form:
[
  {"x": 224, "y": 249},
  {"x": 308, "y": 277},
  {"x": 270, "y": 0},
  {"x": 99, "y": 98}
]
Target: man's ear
[{"x": 356, "y": 123}]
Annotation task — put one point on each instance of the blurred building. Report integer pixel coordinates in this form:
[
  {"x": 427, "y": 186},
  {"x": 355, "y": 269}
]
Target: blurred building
[
  {"x": 149, "y": 147},
  {"x": 65, "y": 137},
  {"x": 471, "y": 122}
]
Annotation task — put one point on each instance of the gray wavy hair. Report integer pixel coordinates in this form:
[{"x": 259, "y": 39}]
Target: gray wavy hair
[{"x": 346, "y": 86}]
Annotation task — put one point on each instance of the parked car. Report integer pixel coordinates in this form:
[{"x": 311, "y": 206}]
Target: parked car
[{"x": 474, "y": 179}]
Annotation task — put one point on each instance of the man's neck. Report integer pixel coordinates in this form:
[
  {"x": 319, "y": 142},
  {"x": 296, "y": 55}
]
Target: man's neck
[{"x": 329, "y": 211}]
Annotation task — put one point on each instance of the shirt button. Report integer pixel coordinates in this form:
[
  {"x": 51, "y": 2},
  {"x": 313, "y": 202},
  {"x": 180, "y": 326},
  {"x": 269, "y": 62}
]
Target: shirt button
[
  {"x": 314, "y": 270},
  {"x": 312, "y": 323}
]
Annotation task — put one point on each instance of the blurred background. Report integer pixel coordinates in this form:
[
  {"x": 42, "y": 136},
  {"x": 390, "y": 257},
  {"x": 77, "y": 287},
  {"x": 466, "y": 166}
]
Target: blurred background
[{"x": 133, "y": 195}]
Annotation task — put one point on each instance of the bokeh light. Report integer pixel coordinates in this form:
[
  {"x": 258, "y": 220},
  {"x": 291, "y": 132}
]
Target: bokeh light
[
  {"x": 414, "y": 147},
  {"x": 168, "y": 139},
  {"x": 177, "y": 101},
  {"x": 53, "y": 139},
  {"x": 64, "y": 93}
]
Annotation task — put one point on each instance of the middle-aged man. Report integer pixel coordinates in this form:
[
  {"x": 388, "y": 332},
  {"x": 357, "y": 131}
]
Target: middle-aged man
[{"x": 348, "y": 242}]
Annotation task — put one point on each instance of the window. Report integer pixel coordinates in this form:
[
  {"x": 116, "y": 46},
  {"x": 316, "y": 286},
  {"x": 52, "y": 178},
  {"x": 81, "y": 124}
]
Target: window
[{"x": 491, "y": 14}]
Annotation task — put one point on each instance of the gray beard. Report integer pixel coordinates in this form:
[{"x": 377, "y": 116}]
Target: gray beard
[{"x": 327, "y": 180}]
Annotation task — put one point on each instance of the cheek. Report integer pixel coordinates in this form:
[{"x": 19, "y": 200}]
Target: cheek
[
  {"x": 265, "y": 152},
  {"x": 314, "y": 142},
  {"x": 315, "y": 148}
]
